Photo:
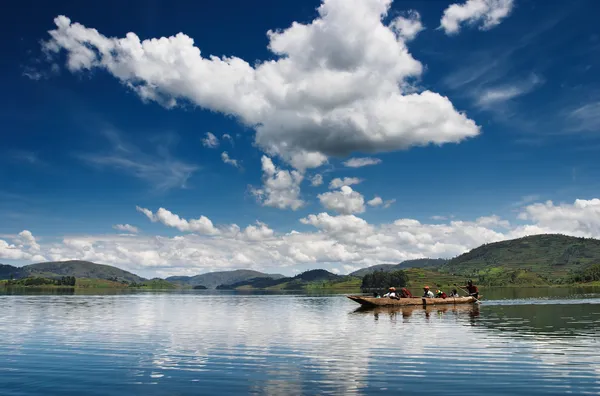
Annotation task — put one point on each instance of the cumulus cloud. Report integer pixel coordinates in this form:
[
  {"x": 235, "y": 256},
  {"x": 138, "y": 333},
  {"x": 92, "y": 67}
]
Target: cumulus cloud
[
  {"x": 126, "y": 228},
  {"x": 342, "y": 241},
  {"x": 485, "y": 13},
  {"x": 202, "y": 225},
  {"x": 227, "y": 136},
  {"x": 226, "y": 159},
  {"x": 378, "y": 201},
  {"x": 346, "y": 181},
  {"x": 281, "y": 188},
  {"x": 344, "y": 201},
  {"x": 24, "y": 247},
  {"x": 360, "y": 162},
  {"x": 210, "y": 140},
  {"x": 375, "y": 201},
  {"x": 335, "y": 85},
  {"x": 408, "y": 26},
  {"x": 316, "y": 180}
]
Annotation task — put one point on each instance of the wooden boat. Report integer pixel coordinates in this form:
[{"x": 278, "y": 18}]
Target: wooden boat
[{"x": 385, "y": 301}]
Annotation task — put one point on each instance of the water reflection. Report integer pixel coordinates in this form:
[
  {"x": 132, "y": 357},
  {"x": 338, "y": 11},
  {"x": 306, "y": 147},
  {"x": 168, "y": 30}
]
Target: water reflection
[{"x": 194, "y": 343}]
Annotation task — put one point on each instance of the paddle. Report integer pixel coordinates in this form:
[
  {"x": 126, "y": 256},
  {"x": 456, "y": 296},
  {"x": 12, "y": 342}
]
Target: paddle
[{"x": 467, "y": 292}]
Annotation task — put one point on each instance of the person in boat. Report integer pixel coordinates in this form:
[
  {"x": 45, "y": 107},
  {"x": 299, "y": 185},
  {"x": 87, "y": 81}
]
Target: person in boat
[
  {"x": 454, "y": 293},
  {"x": 440, "y": 294},
  {"x": 427, "y": 293},
  {"x": 472, "y": 289},
  {"x": 405, "y": 293},
  {"x": 391, "y": 293}
]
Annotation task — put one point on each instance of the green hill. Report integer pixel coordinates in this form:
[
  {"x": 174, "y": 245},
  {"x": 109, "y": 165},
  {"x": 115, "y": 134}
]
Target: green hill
[
  {"x": 213, "y": 279},
  {"x": 309, "y": 280},
  {"x": 418, "y": 263},
  {"x": 9, "y": 271},
  {"x": 537, "y": 259},
  {"x": 80, "y": 269}
]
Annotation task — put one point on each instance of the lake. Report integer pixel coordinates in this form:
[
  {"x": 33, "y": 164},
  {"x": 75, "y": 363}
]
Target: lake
[{"x": 203, "y": 343}]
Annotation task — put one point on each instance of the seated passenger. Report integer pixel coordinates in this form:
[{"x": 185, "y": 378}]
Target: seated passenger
[
  {"x": 391, "y": 293},
  {"x": 440, "y": 294},
  {"x": 405, "y": 293},
  {"x": 454, "y": 293},
  {"x": 428, "y": 293}
]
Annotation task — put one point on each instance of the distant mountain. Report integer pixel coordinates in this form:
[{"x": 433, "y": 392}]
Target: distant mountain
[
  {"x": 8, "y": 271},
  {"x": 299, "y": 282},
  {"x": 417, "y": 263},
  {"x": 213, "y": 279},
  {"x": 533, "y": 259},
  {"x": 80, "y": 269}
]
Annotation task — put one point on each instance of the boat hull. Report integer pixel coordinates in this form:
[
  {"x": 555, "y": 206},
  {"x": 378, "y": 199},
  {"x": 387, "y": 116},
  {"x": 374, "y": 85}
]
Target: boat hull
[{"x": 385, "y": 301}]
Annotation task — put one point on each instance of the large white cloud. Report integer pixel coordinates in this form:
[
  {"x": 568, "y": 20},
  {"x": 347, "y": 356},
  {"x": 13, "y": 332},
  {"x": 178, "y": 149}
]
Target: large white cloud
[
  {"x": 281, "y": 188},
  {"x": 344, "y": 201},
  {"x": 338, "y": 84},
  {"x": 337, "y": 241},
  {"x": 487, "y": 13}
]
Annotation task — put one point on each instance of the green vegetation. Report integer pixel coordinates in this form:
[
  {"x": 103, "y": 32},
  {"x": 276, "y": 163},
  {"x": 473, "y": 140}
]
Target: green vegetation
[
  {"x": 213, "y": 279},
  {"x": 310, "y": 280},
  {"x": 535, "y": 260},
  {"x": 65, "y": 281},
  {"x": 383, "y": 280},
  {"x": 417, "y": 263}
]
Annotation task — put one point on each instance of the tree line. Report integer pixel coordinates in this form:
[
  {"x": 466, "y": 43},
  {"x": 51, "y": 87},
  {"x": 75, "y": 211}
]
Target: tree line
[{"x": 384, "y": 280}]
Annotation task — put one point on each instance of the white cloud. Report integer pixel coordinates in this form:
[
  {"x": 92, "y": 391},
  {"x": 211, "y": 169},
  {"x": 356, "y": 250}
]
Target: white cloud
[
  {"x": 375, "y": 201},
  {"x": 210, "y": 140},
  {"x": 227, "y": 136},
  {"x": 336, "y": 241},
  {"x": 585, "y": 118},
  {"x": 24, "y": 247},
  {"x": 316, "y": 180},
  {"x": 281, "y": 188},
  {"x": 334, "y": 87},
  {"x": 389, "y": 203},
  {"x": 344, "y": 201},
  {"x": 202, "y": 225},
  {"x": 126, "y": 228},
  {"x": 230, "y": 161},
  {"x": 360, "y": 162},
  {"x": 486, "y": 13},
  {"x": 580, "y": 219},
  {"x": 346, "y": 181},
  {"x": 408, "y": 26},
  {"x": 494, "y": 95}
]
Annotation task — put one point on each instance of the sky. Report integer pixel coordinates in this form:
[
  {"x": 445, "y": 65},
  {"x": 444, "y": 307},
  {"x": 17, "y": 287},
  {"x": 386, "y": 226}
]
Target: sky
[{"x": 177, "y": 138}]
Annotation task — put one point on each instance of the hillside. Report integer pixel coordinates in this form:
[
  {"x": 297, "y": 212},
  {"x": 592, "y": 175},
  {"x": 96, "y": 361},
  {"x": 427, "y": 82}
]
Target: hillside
[
  {"x": 80, "y": 269},
  {"x": 309, "y": 280},
  {"x": 537, "y": 259},
  {"x": 213, "y": 279},
  {"x": 8, "y": 271},
  {"x": 418, "y": 263}
]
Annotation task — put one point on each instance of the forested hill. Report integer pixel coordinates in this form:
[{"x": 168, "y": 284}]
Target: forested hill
[
  {"x": 213, "y": 279},
  {"x": 80, "y": 269},
  {"x": 539, "y": 258},
  {"x": 417, "y": 263}
]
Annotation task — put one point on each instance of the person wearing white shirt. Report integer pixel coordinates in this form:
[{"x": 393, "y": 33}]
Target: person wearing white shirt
[{"x": 428, "y": 293}]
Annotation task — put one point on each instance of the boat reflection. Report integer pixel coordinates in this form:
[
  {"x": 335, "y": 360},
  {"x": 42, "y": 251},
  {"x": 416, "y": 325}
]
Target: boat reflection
[{"x": 471, "y": 311}]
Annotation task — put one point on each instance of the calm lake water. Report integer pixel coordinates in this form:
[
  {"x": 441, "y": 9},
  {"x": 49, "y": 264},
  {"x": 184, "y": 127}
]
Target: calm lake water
[{"x": 197, "y": 343}]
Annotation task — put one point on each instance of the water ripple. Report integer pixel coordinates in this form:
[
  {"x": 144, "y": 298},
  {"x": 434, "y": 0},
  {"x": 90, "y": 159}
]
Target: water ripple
[{"x": 159, "y": 344}]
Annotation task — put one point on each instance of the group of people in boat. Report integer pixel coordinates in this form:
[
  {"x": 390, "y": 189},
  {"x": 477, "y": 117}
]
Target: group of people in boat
[{"x": 427, "y": 293}]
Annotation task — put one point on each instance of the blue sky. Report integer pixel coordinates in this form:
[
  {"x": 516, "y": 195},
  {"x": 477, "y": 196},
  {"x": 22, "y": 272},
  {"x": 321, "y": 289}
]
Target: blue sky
[{"x": 503, "y": 115}]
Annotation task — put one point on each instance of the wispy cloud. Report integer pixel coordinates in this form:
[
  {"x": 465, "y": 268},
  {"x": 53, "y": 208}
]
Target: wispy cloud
[
  {"x": 29, "y": 157},
  {"x": 527, "y": 199},
  {"x": 496, "y": 95},
  {"x": 228, "y": 160},
  {"x": 360, "y": 162},
  {"x": 585, "y": 118},
  {"x": 160, "y": 170}
]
